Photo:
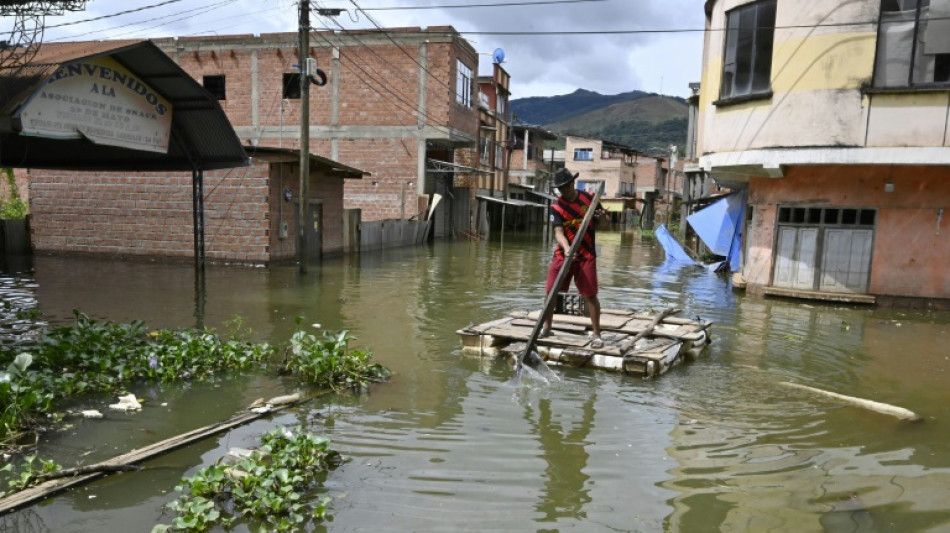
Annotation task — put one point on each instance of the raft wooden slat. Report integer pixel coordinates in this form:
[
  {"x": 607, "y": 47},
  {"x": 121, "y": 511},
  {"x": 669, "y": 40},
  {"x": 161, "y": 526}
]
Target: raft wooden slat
[
  {"x": 633, "y": 342},
  {"x": 49, "y": 488},
  {"x": 556, "y": 326},
  {"x": 607, "y": 321}
]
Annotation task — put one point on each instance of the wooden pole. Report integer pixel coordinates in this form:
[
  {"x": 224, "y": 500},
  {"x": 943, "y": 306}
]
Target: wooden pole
[{"x": 303, "y": 52}]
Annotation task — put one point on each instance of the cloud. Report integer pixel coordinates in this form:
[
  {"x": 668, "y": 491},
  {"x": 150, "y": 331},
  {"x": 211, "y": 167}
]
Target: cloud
[
  {"x": 540, "y": 65},
  {"x": 544, "y": 65}
]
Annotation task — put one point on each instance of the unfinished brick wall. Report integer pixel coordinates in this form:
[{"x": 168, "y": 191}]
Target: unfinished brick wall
[
  {"x": 377, "y": 123},
  {"x": 149, "y": 213}
]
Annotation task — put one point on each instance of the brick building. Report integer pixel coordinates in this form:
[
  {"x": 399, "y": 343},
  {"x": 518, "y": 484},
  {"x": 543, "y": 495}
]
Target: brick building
[{"x": 395, "y": 101}]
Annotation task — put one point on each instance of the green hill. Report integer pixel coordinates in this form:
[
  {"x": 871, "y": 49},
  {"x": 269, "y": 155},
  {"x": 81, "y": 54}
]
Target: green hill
[{"x": 646, "y": 121}]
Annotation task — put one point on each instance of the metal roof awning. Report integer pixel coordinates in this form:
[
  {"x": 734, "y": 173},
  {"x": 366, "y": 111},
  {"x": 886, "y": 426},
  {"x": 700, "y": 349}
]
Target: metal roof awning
[
  {"x": 292, "y": 155},
  {"x": 512, "y": 202},
  {"x": 546, "y": 196},
  {"x": 199, "y": 137},
  {"x": 445, "y": 166},
  {"x": 114, "y": 106}
]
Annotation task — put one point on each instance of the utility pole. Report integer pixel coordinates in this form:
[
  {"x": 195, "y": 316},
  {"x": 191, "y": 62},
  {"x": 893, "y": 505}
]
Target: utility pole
[
  {"x": 670, "y": 184},
  {"x": 303, "y": 53}
]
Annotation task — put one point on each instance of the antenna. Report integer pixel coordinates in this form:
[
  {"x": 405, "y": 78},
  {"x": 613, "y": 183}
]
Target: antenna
[{"x": 498, "y": 56}]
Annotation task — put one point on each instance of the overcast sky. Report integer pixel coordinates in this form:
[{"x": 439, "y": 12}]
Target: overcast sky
[{"x": 540, "y": 65}]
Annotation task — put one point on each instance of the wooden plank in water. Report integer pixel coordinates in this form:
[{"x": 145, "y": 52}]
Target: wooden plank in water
[
  {"x": 688, "y": 332},
  {"x": 49, "y": 488}
]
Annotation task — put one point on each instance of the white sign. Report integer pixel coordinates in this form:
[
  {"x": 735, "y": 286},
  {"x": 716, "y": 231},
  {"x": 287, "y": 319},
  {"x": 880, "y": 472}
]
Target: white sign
[{"x": 102, "y": 101}]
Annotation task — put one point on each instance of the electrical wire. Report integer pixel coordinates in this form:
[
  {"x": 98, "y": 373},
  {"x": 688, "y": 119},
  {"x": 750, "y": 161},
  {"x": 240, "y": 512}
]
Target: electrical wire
[
  {"x": 120, "y": 13},
  {"x": 188, "y": 13},
  {"x": 469, "y": 6},
  {"x": 409, "y": 107}
]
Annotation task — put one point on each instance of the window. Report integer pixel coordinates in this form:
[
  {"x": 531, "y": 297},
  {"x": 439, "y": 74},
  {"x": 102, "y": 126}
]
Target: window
[
  {"x": 583, "y": 154},
  {"x": 747, "y": 61},
  {"x": 913, "y": 43},
  {"x": 827, "y": 216},
  {"x": 484, "y": 147},
  {"x": 215, "y": 86},
  {"x": 463, "y": 85},
  {"x": 292, "y": 86}
]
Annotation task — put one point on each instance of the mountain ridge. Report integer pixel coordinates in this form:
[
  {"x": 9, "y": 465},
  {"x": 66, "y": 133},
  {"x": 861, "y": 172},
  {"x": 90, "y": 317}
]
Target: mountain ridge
[{"x": 648, "y": 122}]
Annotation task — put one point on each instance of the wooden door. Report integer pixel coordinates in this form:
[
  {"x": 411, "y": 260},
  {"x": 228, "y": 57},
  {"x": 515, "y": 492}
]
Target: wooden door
[{"x": 314, "y": 230}]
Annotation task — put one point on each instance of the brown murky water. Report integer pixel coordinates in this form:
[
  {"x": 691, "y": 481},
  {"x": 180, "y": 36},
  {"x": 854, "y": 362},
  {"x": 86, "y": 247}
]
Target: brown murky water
[{"x": 448, "y": 445}]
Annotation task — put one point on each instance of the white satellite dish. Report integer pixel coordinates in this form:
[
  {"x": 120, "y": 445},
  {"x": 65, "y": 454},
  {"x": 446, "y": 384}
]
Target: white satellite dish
[{"x": 499, "y": 55}]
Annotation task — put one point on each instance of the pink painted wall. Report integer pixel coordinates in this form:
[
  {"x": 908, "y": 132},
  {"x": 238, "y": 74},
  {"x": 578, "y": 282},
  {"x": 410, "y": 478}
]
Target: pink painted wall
[{"x": 911, "y": 242}]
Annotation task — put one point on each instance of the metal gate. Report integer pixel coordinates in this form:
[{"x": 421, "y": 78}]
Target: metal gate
[{"x": 825, "y": 249}]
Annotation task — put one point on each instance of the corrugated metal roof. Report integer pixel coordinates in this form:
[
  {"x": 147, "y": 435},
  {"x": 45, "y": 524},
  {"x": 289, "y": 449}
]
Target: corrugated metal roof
[
  {"x": 510, "y": 201},
  {"x": 292, "y": 155},
  {"x": 202, "y": 138}
]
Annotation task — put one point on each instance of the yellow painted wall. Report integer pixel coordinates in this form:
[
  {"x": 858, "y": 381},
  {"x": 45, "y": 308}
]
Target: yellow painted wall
[{"x": 821, "y": 60}]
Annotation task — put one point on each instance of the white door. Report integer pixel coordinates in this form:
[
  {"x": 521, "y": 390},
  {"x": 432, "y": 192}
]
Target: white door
[
  {"x": 845, "y": 263},
  {"x": 795, "y": 258}
]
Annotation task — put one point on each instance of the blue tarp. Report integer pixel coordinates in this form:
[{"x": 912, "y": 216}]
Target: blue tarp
[
  {"x": 674, "y": 252},
  {"x": 720, "y": 227}
]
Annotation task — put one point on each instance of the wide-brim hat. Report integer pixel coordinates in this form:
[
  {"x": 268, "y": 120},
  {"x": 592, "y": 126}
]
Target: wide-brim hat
[{"x": 562, "y": 177}]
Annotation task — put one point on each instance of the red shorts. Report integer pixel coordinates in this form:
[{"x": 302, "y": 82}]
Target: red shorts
[{"x": 583, "y": 271}]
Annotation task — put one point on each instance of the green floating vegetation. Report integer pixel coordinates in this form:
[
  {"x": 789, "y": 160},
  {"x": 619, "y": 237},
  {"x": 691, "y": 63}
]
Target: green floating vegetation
[
  {"x": 103, "y": 357},
  {"x": 31, "y": 469},
  {"x": 330, "y": 363},
  {"x": 272, "y": 486}
]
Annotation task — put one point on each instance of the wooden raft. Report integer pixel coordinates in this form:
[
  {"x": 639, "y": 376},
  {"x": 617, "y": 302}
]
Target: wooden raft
[{"x": 633, "y": 343}]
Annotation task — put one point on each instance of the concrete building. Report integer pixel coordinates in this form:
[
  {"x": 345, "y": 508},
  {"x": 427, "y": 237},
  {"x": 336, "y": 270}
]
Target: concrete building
[
  {"x": 833, "y": 119},
  {"x": 529, "y": 171},
  {"x": 597, "y": 161}
]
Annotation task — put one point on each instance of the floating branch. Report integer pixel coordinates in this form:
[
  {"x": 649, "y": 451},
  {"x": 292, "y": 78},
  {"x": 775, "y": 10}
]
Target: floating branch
[{"x": 884, "y": 408}]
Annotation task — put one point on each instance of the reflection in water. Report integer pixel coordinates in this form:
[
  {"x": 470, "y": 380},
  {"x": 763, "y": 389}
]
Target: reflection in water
[
  {"x": 715, "y": 445},
  {"x": 563, "y": 442}
]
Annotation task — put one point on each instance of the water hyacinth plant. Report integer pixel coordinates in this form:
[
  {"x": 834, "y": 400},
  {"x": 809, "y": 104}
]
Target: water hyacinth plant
[
  {"x": 104, "y": 357},
  {"x": 329, "y": 362},
  {"x": 272, "y": 486}
]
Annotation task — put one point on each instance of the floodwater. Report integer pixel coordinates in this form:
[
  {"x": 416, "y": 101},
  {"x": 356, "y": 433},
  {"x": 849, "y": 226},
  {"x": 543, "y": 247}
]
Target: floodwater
[{"x": 449, "y": 445}]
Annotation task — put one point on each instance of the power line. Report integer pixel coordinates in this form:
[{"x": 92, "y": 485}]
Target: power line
[
  {"x": 469, "y": 6},
  {"x": 683, "y": 30},
  {"x": 409, "y": 107},
  {"x": 126, "y": 12},
  {"x": 196, "y": 11},
  {"x": 403, "y": 50}
]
